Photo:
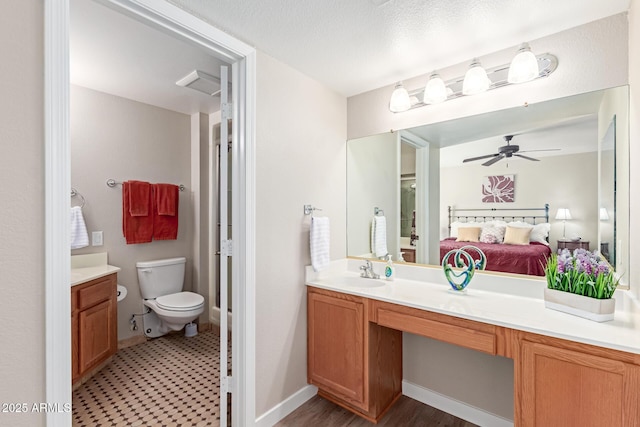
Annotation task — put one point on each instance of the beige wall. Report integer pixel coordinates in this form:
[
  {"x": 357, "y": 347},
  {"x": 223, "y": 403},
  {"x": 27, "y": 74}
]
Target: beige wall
[
  {"x": 22, "y": 358},
  {"x": 300, "y": 159},
  {"x": 564, "y": 188},
  {"x": 113, "y": 137}
]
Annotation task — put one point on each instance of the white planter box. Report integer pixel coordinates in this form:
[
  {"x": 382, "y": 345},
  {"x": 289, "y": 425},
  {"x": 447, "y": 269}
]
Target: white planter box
[{"x": 599, "y": 310}]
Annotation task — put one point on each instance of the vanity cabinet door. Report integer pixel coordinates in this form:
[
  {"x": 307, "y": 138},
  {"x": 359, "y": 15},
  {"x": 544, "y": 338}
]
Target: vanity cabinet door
[
  {"x": 94, "y": 333},
  {"x": 562, "y": 387},
  {"x": 336, "y": 346}
]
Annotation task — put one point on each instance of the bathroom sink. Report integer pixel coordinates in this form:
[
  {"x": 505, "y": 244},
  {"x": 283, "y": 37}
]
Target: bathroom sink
[{"x": 359, "y": 282}]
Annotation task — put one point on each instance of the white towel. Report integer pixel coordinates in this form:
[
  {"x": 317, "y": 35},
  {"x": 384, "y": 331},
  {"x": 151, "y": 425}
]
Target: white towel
[
  {"x": 379, "y": 236},
  {"x": 79, "y": 235},
  {"x": 319, "y": 242}
]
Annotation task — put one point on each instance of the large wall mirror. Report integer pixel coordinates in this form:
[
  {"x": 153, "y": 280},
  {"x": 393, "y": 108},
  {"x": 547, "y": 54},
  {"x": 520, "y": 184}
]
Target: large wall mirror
[{"x": 572, "y": 153}]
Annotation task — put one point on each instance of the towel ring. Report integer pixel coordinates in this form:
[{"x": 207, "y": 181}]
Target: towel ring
[{"x": 75, "y": 193}]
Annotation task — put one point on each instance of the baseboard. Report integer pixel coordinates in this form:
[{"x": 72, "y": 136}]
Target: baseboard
[
  {"x": 134, "y": 340},
  {"x": 215, "y": 317},
  {"x": 453, "y": 407},
  {"x": 287, "y": 406}
]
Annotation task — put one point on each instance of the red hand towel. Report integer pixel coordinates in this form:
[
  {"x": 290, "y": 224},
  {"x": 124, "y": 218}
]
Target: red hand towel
[
  {"x": 165, "y": 213},
  {"x": 136, "y": 229},
  {"x": 139, "y": 198}
]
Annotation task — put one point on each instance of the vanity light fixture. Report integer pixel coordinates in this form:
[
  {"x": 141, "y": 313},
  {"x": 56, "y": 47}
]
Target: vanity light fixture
[
  {"x": 564, "y": 214},
  {"x": 399, "y": 99},
  {"x": 435, "y": 91},
  {"x": 524, "y": 66},
  {"x": 476, "y": 80}
]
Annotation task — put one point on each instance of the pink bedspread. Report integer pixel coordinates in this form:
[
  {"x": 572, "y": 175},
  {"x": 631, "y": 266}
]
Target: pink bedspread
[{"x": 521, "y": 259}]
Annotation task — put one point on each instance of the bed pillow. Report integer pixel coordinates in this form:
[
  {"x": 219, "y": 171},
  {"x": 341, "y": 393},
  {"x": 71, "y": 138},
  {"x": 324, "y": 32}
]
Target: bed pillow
[
  {"x": 540, "y": 233},
  {"x": 468, "y": 234},
  {"x": 492, "y": 232},
  {"x": 457, "y": 224},
  {"x": 517, "y": 235}
]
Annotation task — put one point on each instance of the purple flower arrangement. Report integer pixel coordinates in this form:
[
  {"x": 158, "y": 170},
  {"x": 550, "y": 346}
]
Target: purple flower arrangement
[{"x": 581, "y": 272}]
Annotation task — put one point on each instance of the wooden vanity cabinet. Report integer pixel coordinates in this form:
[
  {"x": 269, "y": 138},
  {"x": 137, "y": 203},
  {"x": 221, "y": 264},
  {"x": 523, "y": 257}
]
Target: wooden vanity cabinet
[
  {"x": 562, "y": 383},
  {"x": 354, "y": 363},
  {"x": 94, "y": 334},
  {"x": 355, "y": 360}
]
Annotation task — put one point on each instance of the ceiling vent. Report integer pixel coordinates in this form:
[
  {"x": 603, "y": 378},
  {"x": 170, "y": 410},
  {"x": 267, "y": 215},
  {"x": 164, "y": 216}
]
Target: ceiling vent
[{"x": 202, "y": 82}]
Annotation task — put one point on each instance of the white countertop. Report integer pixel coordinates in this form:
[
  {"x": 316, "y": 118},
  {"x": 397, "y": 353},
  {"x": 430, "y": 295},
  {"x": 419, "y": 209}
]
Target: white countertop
[
  {"x": 88, "y": 267},
  {"x": 493, "y": 298}
]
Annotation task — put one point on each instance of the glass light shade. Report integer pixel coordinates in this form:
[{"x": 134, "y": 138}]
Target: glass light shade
[
  {"x": 475, "y": 80},
  {"x": 604, "y": 215},
  {"x": 435, "y": 91},
  {"x": 400, "y": 100},
  {"x": 524, "y": 66},
  {"x": 563, "y": 213}
]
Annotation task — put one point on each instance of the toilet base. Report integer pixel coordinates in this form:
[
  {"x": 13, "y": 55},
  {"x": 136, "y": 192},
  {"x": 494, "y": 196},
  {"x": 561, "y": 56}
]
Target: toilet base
[{"x": 152, "y": 325}]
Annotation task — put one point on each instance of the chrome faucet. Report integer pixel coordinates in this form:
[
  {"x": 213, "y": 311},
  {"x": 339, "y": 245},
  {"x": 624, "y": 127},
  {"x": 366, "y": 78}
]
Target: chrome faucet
[{"x": 367, "y": 271}]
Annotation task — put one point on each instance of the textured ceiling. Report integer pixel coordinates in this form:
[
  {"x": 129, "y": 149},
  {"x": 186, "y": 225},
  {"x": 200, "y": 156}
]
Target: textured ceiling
[{"x": 353, "y": 46}]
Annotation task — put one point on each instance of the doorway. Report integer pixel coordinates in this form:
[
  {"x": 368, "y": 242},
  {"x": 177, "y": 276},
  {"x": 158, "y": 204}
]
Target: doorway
[{"x": 171, "y": 20}]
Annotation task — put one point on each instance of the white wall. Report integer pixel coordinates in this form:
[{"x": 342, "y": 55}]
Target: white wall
[
  {"x": 22, "y": 335},
  {"x": 113, "y": 137},
  {"x": 568, "y": 181},
  {"x": 300, "y": 159}
]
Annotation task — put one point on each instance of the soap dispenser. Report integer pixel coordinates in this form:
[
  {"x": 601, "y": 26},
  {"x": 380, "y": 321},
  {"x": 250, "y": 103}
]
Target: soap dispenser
[{"x": 389, "y": 269}]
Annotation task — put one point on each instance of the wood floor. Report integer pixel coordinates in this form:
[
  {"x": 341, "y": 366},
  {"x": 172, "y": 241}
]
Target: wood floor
[{"x": 406, "y": 412}]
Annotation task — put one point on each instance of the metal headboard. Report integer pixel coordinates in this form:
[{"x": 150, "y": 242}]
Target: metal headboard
[{"x": 510, "y": 214}]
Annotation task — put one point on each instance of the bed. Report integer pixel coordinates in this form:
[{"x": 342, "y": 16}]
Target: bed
[{"x": 525, "y": 258}]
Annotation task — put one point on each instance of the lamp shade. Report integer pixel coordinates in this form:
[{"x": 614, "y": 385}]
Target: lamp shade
[
  {"x": 604, "y": 215},
  {"x": 563, "y": 213},
  {"x": 475, "y": 80},
  {"x": 435, "y": 91},
  {"x": 400, "y": 100},
  {"x": 524, "y": 66}
]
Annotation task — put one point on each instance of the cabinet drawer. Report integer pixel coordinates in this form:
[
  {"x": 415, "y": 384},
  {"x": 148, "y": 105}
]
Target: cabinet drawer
[
  {"x": 96, "y": 293},
  {"x": 461, "y": 335}
]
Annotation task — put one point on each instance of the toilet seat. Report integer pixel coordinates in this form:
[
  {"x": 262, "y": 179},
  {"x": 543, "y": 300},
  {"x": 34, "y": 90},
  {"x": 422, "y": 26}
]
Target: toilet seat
[{"x": 180, "y": 301}]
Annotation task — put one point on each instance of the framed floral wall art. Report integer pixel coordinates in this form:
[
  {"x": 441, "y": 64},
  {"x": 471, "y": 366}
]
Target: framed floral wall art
[{"x": 498, "y": 189}]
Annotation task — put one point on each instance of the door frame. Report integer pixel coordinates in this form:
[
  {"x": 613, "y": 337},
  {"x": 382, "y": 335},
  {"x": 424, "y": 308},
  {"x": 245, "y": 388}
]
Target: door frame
[{"x": 175, "y": 21}]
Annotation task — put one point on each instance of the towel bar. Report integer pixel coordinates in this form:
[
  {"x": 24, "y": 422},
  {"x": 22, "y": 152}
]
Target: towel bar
[{"x": 112, "y": 183}]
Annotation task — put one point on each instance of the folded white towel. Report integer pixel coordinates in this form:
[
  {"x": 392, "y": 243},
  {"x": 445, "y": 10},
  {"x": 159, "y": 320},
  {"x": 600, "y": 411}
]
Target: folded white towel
[
  {"x": 319, "y": 242},
  {"x": 379, "y": 236},
  {"x": 79, "y": 236}
]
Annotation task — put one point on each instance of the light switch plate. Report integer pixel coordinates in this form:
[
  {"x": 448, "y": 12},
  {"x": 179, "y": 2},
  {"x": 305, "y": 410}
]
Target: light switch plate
[{"x": 96, "y": 238}]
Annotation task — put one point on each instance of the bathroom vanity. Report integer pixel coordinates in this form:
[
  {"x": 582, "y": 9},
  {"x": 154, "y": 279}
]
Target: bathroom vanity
[
  {"x": 568, "y": 370},
  {"x": 94, "y": 319}
]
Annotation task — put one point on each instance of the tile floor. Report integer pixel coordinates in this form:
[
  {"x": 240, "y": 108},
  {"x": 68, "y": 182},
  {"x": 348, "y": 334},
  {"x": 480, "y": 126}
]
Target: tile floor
[{"x": 167, "y": 381}]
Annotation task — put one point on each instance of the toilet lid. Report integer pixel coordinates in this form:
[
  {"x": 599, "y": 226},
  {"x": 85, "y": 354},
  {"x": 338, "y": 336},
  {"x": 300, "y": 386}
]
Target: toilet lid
[{"x": 181, "y": 301}]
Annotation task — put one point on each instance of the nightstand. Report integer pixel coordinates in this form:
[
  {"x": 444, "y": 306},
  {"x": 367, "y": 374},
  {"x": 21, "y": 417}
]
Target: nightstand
[{"x": 573, "y": 244}]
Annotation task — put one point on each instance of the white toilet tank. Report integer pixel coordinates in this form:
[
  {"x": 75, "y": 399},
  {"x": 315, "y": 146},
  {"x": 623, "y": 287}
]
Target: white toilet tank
[{"x": 161, "y": 277}]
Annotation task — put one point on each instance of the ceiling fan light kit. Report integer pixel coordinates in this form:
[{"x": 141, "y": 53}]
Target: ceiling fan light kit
[{"x": 525, "y": 67}]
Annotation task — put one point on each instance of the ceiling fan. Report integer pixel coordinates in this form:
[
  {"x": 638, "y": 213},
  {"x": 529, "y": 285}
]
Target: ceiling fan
[{"x": 507, "y": 151}]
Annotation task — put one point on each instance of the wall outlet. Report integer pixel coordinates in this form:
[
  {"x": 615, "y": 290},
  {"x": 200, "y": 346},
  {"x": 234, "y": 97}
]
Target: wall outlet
[{"x": 96, "y": 238}]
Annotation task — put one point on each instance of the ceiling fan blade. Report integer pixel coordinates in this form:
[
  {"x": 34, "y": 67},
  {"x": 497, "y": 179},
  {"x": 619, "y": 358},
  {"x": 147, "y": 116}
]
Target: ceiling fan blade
[
  {"x": 492, "y": 161},
  {"x": 528, "y": 158},
  {"x": 480, "y": 158},
  {"x": 544, "y": 149}
]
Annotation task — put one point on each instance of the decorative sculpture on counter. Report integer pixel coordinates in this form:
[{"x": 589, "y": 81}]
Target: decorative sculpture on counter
[{"x": 462, "y": 259}]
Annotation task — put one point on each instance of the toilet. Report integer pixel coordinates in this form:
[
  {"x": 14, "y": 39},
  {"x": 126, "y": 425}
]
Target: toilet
[{"x": 171, "y": 308}]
